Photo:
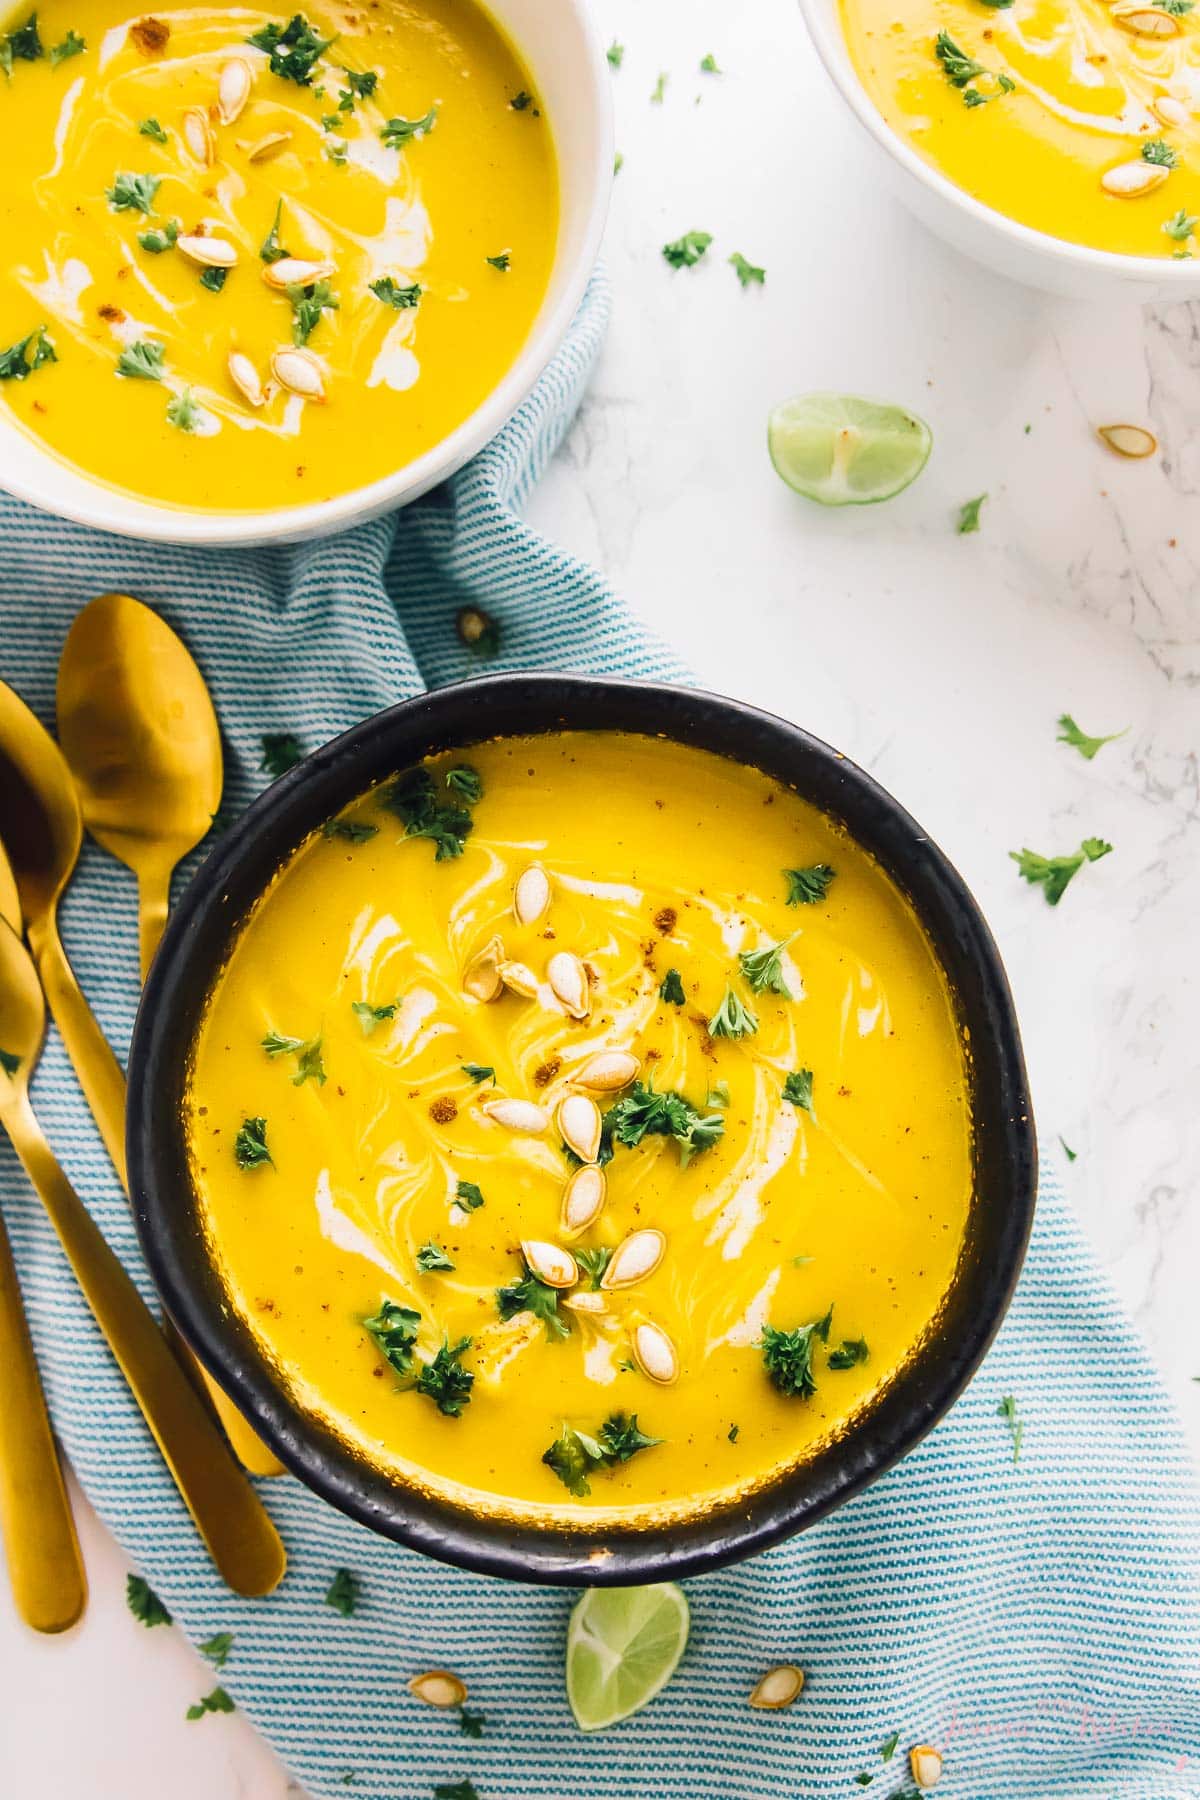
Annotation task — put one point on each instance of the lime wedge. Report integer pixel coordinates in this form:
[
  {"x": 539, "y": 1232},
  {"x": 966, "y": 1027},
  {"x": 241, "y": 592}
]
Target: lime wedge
[
  {"x": 846, "y": 451},
  {"x": 623, "y": 1646}
]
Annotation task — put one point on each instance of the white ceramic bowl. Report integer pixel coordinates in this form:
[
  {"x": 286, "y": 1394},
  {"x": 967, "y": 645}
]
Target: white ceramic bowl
[
  {"x": 566, "y": 59},
  {"x": 998, "y": 242}
]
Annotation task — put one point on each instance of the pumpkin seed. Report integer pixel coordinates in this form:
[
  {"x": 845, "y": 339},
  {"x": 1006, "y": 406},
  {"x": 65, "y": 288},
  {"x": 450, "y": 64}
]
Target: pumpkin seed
[
  {"x": 438, "y": 1687},
  {"x": 926, "y": 1765},
  {"x": 583, "y": 1199},
  {"x": 550, "y": 1262},
  {"x": 1170, "y": 111},
  {"x": 519, "y": 978},
  {"x": 634, "y": 1258},
  {"x": 580, "y": 1122},
  {"x": 531, "y": 896},
  {"x": 244, "y": 377},
  {"x": 586, "y": 1302},
  {"x": 778, "y": 1688},
  {"x": 198, "y": 136},
  {"x": 518, "y": 1115},
  {"x": 1128, "y": 181},
  {"x": 209, "y": 252},
  {"x": 1128, "y": 440},
  {"x": 263, "y": 149},
  {"x": 299, "y": 372},
  {"x": 1147, "y": 21},
  {"x": 607, "y": 1071},
  {"x": 481, "y": 977},
  {"x": 654, "y": 1353},
  {"x": 569, "y": 983},
  {"x": 295, "y": 271},
  {"x": 233, "y": 88}
]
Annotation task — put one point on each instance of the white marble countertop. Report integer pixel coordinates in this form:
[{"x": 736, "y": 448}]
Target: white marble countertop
[{"x": 940, "y": 662}]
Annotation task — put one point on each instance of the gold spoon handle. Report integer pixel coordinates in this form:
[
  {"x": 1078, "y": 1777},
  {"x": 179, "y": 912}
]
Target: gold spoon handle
[
  {"x": 227, "y": 1512},
  {"x": 98, "y": 1070},
  {"x": 154, "y": 903},
  {"x": 45, "y": 1567}
]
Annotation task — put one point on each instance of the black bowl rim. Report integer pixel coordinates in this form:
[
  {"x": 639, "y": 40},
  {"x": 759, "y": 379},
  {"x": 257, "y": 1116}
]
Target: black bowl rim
[{"x": 607, "y": 1553}]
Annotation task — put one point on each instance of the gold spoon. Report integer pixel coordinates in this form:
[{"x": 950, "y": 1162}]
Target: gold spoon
[
  {"x": 41, "y": 826},
  {"x": 141, "y": 740},
  {"x": 45, "y": 1567},
  {"x": 41, "y": 829},
  {"x": 227, "y": 1512},
  {"x": 140, "y": 736}
]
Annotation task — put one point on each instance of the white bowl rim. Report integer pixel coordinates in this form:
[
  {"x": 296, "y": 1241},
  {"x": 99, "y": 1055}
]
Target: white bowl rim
[
  {"x": 821, "y": 19},
  {"x": 159, "y": 522}
]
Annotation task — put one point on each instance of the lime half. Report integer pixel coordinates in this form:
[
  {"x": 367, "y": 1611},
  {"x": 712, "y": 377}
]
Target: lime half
[
  {"x": 623, "y": 1646},
  {"x": 846, "y": 451}
]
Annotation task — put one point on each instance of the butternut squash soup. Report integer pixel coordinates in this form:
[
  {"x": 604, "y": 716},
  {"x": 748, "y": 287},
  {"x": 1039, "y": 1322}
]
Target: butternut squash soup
[
  {"x": 253, "y": 259},
  {"x": 1077, "y": 117},
  {"x": 581, "y": 1124}
]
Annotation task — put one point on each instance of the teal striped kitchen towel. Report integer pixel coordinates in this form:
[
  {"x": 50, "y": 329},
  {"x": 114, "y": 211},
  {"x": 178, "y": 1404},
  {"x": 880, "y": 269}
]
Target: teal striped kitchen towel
[{"x": 1038, "y": 1620}]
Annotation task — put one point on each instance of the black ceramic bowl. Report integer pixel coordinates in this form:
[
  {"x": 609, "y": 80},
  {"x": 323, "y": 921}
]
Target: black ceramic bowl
[{"x": 194, "y": 949}]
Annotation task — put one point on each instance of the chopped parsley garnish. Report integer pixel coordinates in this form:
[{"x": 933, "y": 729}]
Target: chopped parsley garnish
[
  {"x": 370, "y": 1016},
  {"x": 671, "y": 988},
  {"x": 807, "y": 886},
  {"x": 1177, "y": 7},
  {"x": 709, "y": 65},
  {"x": 214, "y": 280},
  {"x": 72, "y": 45},
  {"x": 798, "y": 1088},
  {"x": 308, "y": 304},
  {"x": 294, "y": 49},
  {"x": 718, "y": 1094},
  {"x": 660, "y": 90},
  {"x": 643, "y": 1112},
  {"x": 281, "y": 751},
  {"x": 183, "y": 412},
  {"x": 8, "y": 1062},
  {"x": 471, "y": 1723},
  {"x": 23, "y": 45},
  {"x": 309, "y": 1065},
  {"x": 159, "y": 238},
  {"x": 360, "y": 85},
  {"x": 479, "y": 1072},
  {"x": 398, "y": 132},
  {"x": 615, "y": 54},
  {"x": 468, "y": 1195},
  {"x": 394, "y": 1331},
  {"x": 133, "y": 193},
  {"x": 337, "y": 151},
  {"x": 445, "y": 1381},
  {"x": 962, "y": 70},
  {"x": 271, "y": 250},
  {"x": 26, "y": 355},
  {"x": 352, "y": 830},
  {"x": 849, "y": 1353},
  {"x": 392, "y": 293},
  {"x": 1071, "y": 1155},
  {"x": 574, "y": 1455},
  {"x": 748, "y": 273},
  {"x": 685, "y": 252},
  {"x": 788, "y": 1355},
  {"x": 467, "y": 782},
  {"x": 593, "y": 1263},
  {"x": 1069, "y": 733},
  {"x": 216, "y": 1702},
  {"x": 763, "y": 969},
  {"x": 343, "y": 1592},
  {"x": 144, "y": 1603},
  {"x": 733, "y": 1018},
  {"x": 413, "y": 798},
  {"x": 431, "y": 1259},
  {"x": 968, "y": 515},
  {"x": 250, "y": 1145},
  {"x": 732, "y": 1434},
  {"x": 1055, "y": 873},
  {"x": 1160, "y": 154},
  {"x": 455, "y": 1790},
  {"x": 217, "y": 1648},
  {"x": 152, "y": 129},
  {"x": 500, "y": 262},
  {"x": 1181, "y": 226},
  {"x": 888, "y": 1747},
  {"x": 142, "y": 361},
  {"x": 538, "y": 1297},
  {"x": 521, "y": 102},
  {"x": 1007, "y": 1410}
]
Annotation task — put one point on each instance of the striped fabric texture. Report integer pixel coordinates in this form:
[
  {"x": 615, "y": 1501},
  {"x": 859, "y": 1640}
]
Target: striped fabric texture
[{"x": 1038, "y": 1620}]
